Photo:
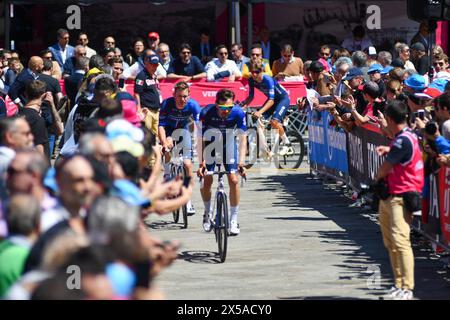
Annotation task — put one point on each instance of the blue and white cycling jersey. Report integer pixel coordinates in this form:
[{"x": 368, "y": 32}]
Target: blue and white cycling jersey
[
  {"x": 172, "y": 118},
  {"x": 269, "y": 87}
]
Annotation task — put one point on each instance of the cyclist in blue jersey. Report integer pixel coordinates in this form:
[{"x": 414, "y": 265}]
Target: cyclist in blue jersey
[
  {"x": 276, "y": 105},
  {"x": 174, "y": 119},
  {"x": 220, "y": 124}
]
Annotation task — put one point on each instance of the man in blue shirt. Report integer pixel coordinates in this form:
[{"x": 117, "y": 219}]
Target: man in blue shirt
[
  {"x": 221, "y": 122},
  {"x": 174, "y": 119},
  {"x": 187, "y": 67},
  {"x": 276, "y": 105}
]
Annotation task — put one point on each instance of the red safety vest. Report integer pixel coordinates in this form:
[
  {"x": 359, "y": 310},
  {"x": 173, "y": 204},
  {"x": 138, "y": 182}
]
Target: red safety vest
[{"x": 408, "y": 176}]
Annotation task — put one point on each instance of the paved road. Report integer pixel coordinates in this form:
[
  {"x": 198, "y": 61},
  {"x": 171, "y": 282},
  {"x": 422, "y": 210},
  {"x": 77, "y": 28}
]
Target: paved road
[{"x": 299, "y": 240}]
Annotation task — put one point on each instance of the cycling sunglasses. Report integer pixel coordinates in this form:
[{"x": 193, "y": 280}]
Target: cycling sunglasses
[{"x": 225, "y": 107}]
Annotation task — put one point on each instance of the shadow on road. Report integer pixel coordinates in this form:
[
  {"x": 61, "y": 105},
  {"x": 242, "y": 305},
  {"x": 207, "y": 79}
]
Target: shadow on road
[
  {"x": 359, "y": 232},
  {"x": 207, "y": 257},
  {"x": 164, "y": 225}
]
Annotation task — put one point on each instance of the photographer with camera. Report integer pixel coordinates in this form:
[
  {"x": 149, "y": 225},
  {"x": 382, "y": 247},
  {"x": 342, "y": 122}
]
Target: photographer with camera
[{"x": 403, "y": 171}]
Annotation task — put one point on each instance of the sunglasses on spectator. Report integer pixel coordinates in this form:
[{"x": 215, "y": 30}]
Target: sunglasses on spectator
[
  {"x": 12, "y": 171},
  {"x": 223, "y": 53},
  {"x": 110, "y": 42},
  {"x": 186, "y": 52},
  {"x": 325, "y": 54},
  {"x": 441, "y": 64},
  {"x": 256, "y": 54}
]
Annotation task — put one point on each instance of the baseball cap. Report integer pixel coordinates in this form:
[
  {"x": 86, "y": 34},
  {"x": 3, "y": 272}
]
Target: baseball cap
[
  {"x": 353, "y": 73},
  {"x": 125, "y": 143},
  {"x": 372, "y": 51},
  {"x": 418, "y": 47},
  {"x": 387, "y": 69},
  {"x": 416, "y": 82},
  {"x": 129, "y": 192},
  {"x": 153, "y": 35},
  {"x": 121, "y": 127},
  {"x": 153, "y": 59},
  {"x": 375, "y": 68},
  {"x": 434, "y": 90},
  {"x": 316, "y": 66},
  {"x": 129, "y": 108}
]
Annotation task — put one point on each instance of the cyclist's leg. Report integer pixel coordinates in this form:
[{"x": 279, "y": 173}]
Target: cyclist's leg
[
  {"x": 279, "y": 112},
  {"x": 231, "y": 165}
]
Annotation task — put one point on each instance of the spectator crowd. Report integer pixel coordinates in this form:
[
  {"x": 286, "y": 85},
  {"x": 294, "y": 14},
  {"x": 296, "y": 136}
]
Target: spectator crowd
[{"x": 80, "y": 172}]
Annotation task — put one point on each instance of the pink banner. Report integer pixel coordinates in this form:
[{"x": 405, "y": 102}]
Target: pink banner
[
  {"x": 205, "y": 92},
  {"x": 444, "y": 202}
]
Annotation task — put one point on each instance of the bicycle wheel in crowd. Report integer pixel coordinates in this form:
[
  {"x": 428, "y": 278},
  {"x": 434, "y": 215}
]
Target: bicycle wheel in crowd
[
  {"x": 176, "y": 212},
  {"x": 293, "y": 159},
  {"x": 222, "y": 225}
]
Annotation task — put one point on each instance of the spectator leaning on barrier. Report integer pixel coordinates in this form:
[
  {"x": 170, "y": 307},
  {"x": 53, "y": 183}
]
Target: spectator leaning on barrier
[
  {"x": 186, "y": 67},
  {"x": 164, "y": 55},
  {"x": 256, "y": 52},
  {"x": 288, "y": 66},
  {"x": 374, "y": 105},
  {"x": 320, "y": 78},
  {"x": 403, "y": 171},
  {"x": 222, "y": 67}
]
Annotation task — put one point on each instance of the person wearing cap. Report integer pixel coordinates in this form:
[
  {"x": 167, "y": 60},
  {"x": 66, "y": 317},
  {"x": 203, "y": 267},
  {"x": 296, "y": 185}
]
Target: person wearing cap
[
  {"x": 186, "y": 67},
  {"x": 153, "y": 41},
  {"x": 353, "y": 81},
  {"x": 147, "y": 94},
  {"x": 220, "y": 121},
  {"x": 371, "y": 55},
  {"x": 222, "y": 67},
  {"x": 139, "y": 65},
  {"x": 321, "y": 80},
  {"x": 419, "y": 58},
  {"x": 415, "y": 83},
  {"x": 174, "y": 119},
  {"x": 374, "y": 73}
]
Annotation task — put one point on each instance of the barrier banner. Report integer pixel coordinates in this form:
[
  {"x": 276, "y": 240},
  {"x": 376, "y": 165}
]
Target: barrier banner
[
  {"x": 431, "y": 211},
  {"x": 444, "y": 202},
  {"x": 363, "y": 160},
  {"x": 328, "y": 147}
]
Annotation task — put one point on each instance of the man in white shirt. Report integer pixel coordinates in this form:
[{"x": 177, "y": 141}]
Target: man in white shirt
[
  {"x": 84, "y": 41},
  {"x": 164, "y": 55},
  {"x": 138, "y": 66},
  {"x": 222, "y": 67}
]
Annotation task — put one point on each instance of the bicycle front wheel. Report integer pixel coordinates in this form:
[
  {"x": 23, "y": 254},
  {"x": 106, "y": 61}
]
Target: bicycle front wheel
[
  {"x": 294, "y": 158},
  {"x": 176, "y": 212},
  {"x": 222, "y": 225},
  {"x": 182, "y": 173}
]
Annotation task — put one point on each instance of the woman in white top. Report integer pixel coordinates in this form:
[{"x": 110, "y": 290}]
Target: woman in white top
[{"x": 404, "y": 55}]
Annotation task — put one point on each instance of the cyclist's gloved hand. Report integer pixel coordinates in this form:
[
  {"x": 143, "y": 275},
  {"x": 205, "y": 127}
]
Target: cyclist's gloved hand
[
  {"x": 222, "y": 74},
  {"x": 241, "y": 170},
  {"x": 201, "y": 170}
]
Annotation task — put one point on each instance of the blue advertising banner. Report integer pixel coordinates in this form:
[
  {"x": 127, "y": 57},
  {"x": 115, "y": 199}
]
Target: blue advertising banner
[{"x": 328, "y": 146}]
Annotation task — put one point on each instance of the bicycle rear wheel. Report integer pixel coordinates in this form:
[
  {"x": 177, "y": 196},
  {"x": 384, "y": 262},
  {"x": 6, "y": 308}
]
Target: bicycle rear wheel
[
  {"x": 294, "y": 160},
  {"x": 222, "y": 225}
]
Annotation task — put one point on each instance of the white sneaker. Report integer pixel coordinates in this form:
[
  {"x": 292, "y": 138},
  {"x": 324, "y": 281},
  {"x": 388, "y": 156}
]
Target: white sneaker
[
  {"x": 207, "y": 222},
  {"x": 234, "y": 228},
  {"x": 404, "y": 295},
  {"x": 393, "y": 293},
  {"x": 190, "y": 209},
  {"x": 286, "y": 151}
]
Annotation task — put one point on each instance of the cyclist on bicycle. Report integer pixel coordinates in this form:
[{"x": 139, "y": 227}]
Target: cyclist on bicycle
[
  {"x": 174, "y": 119},
  {"x": 276, "y": 105},
  {"x": 220, "y": 123}
]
